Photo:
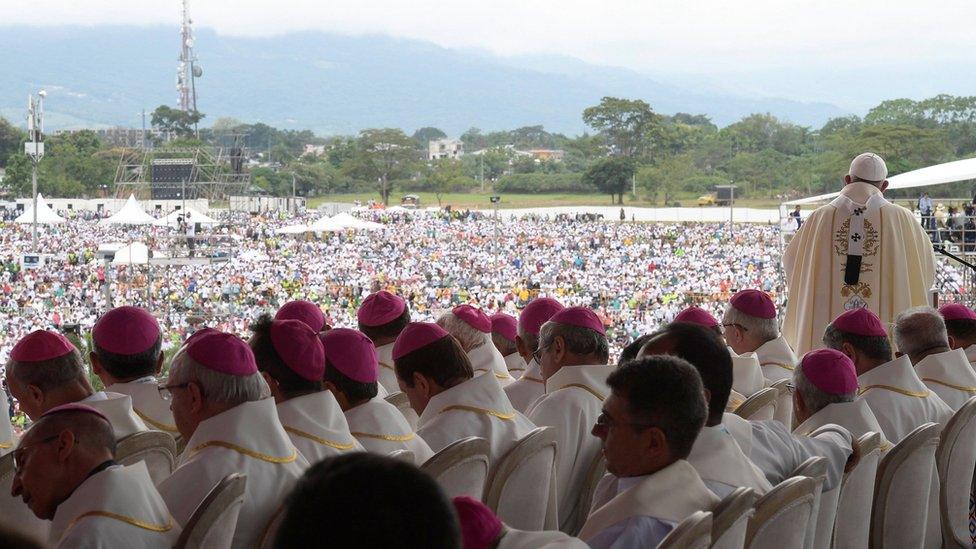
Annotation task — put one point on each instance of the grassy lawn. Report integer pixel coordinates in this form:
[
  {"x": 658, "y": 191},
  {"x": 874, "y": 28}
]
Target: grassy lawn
[{"x": 478, "y": 200}]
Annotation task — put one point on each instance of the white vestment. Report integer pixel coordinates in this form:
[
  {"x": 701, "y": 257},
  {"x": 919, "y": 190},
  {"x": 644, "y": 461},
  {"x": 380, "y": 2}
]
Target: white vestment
[
  {"x": 971, "y": 355},
  {"x": 897, "y": 265},
  {"x": 386, "y": 375},
  {"x": 118, "y": 409},
  {"x": 382, "y": 429},
  {"x": 747, "y": 375},
  {"x": 948, "y": 375},
  {"x": 475, "y": 408},
  {"x": 899, "y": 399},
  {"x": 573, "y": 400},
  {"x": 486, "y": 358},
  {"x": 116, "y": 507},
  {"x": 515, "y": 364},
  {"x": 528, "y": 388},
  {"x": 316, "y": 425},
  {"x": 777, "y": 360},
  {"x": 7, "y": 437},
  {"x": 722, "y": 465},
  {"x": 521, "y": 539},
  {"x": 856, "y": 417},
  {"x": 640, "y": 511},
  {"x": 246, "y": 439},
  {"x": 147, "y": 404}
]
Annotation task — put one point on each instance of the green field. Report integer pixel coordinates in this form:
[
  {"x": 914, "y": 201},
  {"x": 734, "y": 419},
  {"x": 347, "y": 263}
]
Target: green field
[{"x": 480, "y": 200}]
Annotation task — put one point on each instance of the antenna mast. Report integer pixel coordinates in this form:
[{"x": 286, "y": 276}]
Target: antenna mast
[{"x": 188, "y": 71}]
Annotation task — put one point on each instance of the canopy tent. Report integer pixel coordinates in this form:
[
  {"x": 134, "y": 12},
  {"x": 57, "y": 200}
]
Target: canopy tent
[
  {"x": 950, "y": 172},
  {"x": 130, "y": 214},
  {"x": 45, "y": 215},
  {"x": 293, "y": 229},
  {"x": 347, "y": 221},
  {"x": 327, "y": 225},
  {"x": 136, "y": 253},
  {"x": 194, "y": 217}
]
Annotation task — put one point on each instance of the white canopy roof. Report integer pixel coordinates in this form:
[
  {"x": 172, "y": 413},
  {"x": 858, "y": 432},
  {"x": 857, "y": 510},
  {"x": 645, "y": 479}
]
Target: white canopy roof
[
  {"x": 950, "y": 172},
  {"x": 130, "y": 214},
  {"x": 327, "y": 225},
  {"x": 136, "y": 253},
  {"x": 347, "y": 221},
  {"x": 293, "y": 229},
  {"x": 45, "y": 215},
  {"x": 195, "y": 217}
]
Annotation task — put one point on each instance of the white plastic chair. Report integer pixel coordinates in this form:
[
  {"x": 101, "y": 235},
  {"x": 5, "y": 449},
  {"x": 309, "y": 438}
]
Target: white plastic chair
[
  {"x": 156, "y": 448},
  {"x": 522, "y": 487},
  {"x": 902, "y": 488},
  {"x": 402, "y": 455},
  {"x": 956, "y": 460},
  {"x": 761, "y": 405},
  {"x": 213, "y": 522},
  {"x": 694, "y": 532},
  {"x": 730, "y": 518},
  {"x": 598, "y": 468},
  {"x": 461, "y": 468},
  {"x": 852, "y": 523},
  {"x": 782, "y": 515},
  {"x": 816, "y": 468},
  {"x": 784, "y": 402}
]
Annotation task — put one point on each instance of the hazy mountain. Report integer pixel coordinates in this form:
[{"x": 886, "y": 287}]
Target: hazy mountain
[{"x": 104, "y": 76}]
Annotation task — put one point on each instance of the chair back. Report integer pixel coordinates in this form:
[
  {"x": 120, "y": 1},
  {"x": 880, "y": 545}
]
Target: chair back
[
  {"x": 784, "y": 402},
  {"x": 695, "y": 532},
  {"x": 816, "y": 468},
  {"x": 402, "y": 455},
  {"x": 522, "y": 487},
  {"x": 156, "y": 448},
  {"x": 956, "y": 460},
  {"x": 598, "y": 468},
  {"x": 14, "y": 513},
  {"x": 852, "y": 523},
  {"x": 735, "y": 400},
  {"x": 213, "y": 522},
  {"x": 461, "y": 468},
  {"x": 782, "y": 515},
  {"x": 399, "y": 399},
  {"x": 761, "y": 405},
  {"x": 902, "y": 489},
  {"x": 731, "y": 517}
]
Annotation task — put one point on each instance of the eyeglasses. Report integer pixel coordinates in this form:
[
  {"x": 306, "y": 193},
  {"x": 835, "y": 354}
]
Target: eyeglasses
[
  {"x": 791, "y": 387},
  {"x": 604, "y": 421},
  {"x": 166, "y": 391},
  {"x": 739, "y": 326},
  {"x": 20, "y": 454},
  {"x": 537, "y": 355}
]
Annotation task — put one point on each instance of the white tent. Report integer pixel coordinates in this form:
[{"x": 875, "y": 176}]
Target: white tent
[
  {"x": 136, "y": 253},
  {"x": 130, "y": 214},
  {"x": 294, "y": 229},
  {"x": 347, "y": 221},
  {"x": 45, "y": 215},
  {"x": 327, "y": 225},
  {"x": 195, "y": 217}
]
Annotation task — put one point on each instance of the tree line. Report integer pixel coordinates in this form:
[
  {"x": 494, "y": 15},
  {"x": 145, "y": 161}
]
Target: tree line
[{"x": 629, "y": 146}]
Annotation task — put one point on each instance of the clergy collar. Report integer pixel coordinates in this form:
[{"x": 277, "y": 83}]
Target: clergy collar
[{"x": 101, "y": 467}]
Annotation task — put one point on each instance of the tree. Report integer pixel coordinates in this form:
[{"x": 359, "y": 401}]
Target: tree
[
  {"x": 625, "y": 124},
  {"x": 382, "y": 156},
  {"x": 444, "y": 176},
  {"x": 425, "y": 135},
  {"x": 11, "y": 139},
  {"x": 611, "y": 175},
  {"x": 168, "y": 119}
]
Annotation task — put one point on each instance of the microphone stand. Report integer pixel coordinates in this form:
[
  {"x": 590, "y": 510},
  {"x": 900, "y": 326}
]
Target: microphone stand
[{"x": 940, "y": 248}]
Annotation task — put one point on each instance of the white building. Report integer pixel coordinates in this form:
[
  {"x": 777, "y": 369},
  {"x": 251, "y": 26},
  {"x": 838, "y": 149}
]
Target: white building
[{"x": 445, "y": 148}]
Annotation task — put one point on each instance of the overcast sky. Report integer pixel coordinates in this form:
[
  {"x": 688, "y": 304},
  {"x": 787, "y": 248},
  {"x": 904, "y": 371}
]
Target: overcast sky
[{"x": 677, "y": 36}]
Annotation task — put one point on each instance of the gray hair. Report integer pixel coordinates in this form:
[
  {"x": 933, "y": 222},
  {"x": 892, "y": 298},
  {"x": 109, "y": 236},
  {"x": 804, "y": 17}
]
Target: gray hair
[
  {"x": 874, "y": 347},
  {"x": 50, "y": 374},
  {"x": 469, "y": 338},
  {"x": 531, "y": 340},
  {"x": 505, "y": 346},
  {"x": 218, "y": 387},
  {"x": 918, "y": 329},
  {"x": 766, "y": 329},
  {"x": 579, "y": 340},
  {"x": 813, "y": 397}
]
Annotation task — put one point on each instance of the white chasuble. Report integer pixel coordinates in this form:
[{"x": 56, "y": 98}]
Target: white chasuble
[
  {"x": 718, "y": 459},
  {"x": 515, "y": 364},
  {"x": 856, "y": 417},
  {"x": 486, "y": 358},
  {"x": 386, "y": 374},
  {"x": 117, "y": 507},
  {"x": 896, "y": 272},
  {"x": 316, "y": 425},
  {"x": 528, "y": 388},
  {"x": 246, "y": 439},
  {"x": 747, "y": 375},
  {"x": 118, "y": 409},
  {"x": 147, "y": 404},
  {"x": 382, "y": 429},
  {"x": 777, "y": 360},
  {"x": 899, "y": 399},
  {"x": 949, "y": 375}
]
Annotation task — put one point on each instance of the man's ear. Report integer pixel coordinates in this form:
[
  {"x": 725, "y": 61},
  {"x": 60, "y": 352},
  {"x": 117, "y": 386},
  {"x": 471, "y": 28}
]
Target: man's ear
[
  {"x": 952, "y": 342},
  {"x": 848, "y": 350},
  {"x": 898, "y": 354},
  {"x": 66, "y": 444},
  {"x": 657, "y": 442},
  {"x": 95, "y": 364},
  {"x": 848, "y": 179},
  {"x": 196, "y": 396},
  {"x": 160, "y": 361},
  {"x": 884, "y": 185},
  {"x": 422, "y": 384},
  {"x": 523, "y": 349}
]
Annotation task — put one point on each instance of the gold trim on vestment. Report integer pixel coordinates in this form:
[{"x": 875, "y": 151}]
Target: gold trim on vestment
[
  {"x": 157, "y": 424},
  {"x": 530, "y": 378},
  {"x": 899, "y": 390},
  {"x": 6, "y": 445},
  {"x": 486, "y": 411},
  {"x": 585, "y": 388},
  {"x": 391, "y": 438},
  {"x": 503, "y": 376},
  {"x": 950, "y": 385},
  {"x": 245, "y": 451},
  {"x": 320, "y": 440},
  {"x": 128, "y": 520},
  {"x": 783, "y": 366},
  {"x": 385, "y": 365}
]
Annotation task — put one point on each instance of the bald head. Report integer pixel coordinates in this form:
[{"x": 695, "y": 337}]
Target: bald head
[
  {"x": 919, "y": 332},
  {"x": 93, "y": 433}
]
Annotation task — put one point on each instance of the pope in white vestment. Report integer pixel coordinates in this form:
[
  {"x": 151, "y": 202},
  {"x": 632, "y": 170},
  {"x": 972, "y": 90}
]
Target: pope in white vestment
[
  {"x": 640, "y": 511},
  {"x": 316, "y": 425},
  {"x": 899, "y": 399},
  {"x": 476, "y": 407},
  {"x": 528, "y": 388},
  {"x": 147, "y": 404},
  {"x": 246, "y": 439},
  {"x": 116, "y": 507},
  {"x": 573, "y": 400},
  {"x": 896, "y": 272},
  {"x": 948, "y": 375},
  {"x": 382, "y": 429},
  {"x": 118, "y": 409}
]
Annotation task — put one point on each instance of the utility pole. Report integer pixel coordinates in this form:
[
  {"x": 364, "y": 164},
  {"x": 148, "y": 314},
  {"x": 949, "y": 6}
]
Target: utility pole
[
  {"x": 494, "y": 202},
  {"x": 34, "y": 148},
  {"x": 143, "y": 128}
]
